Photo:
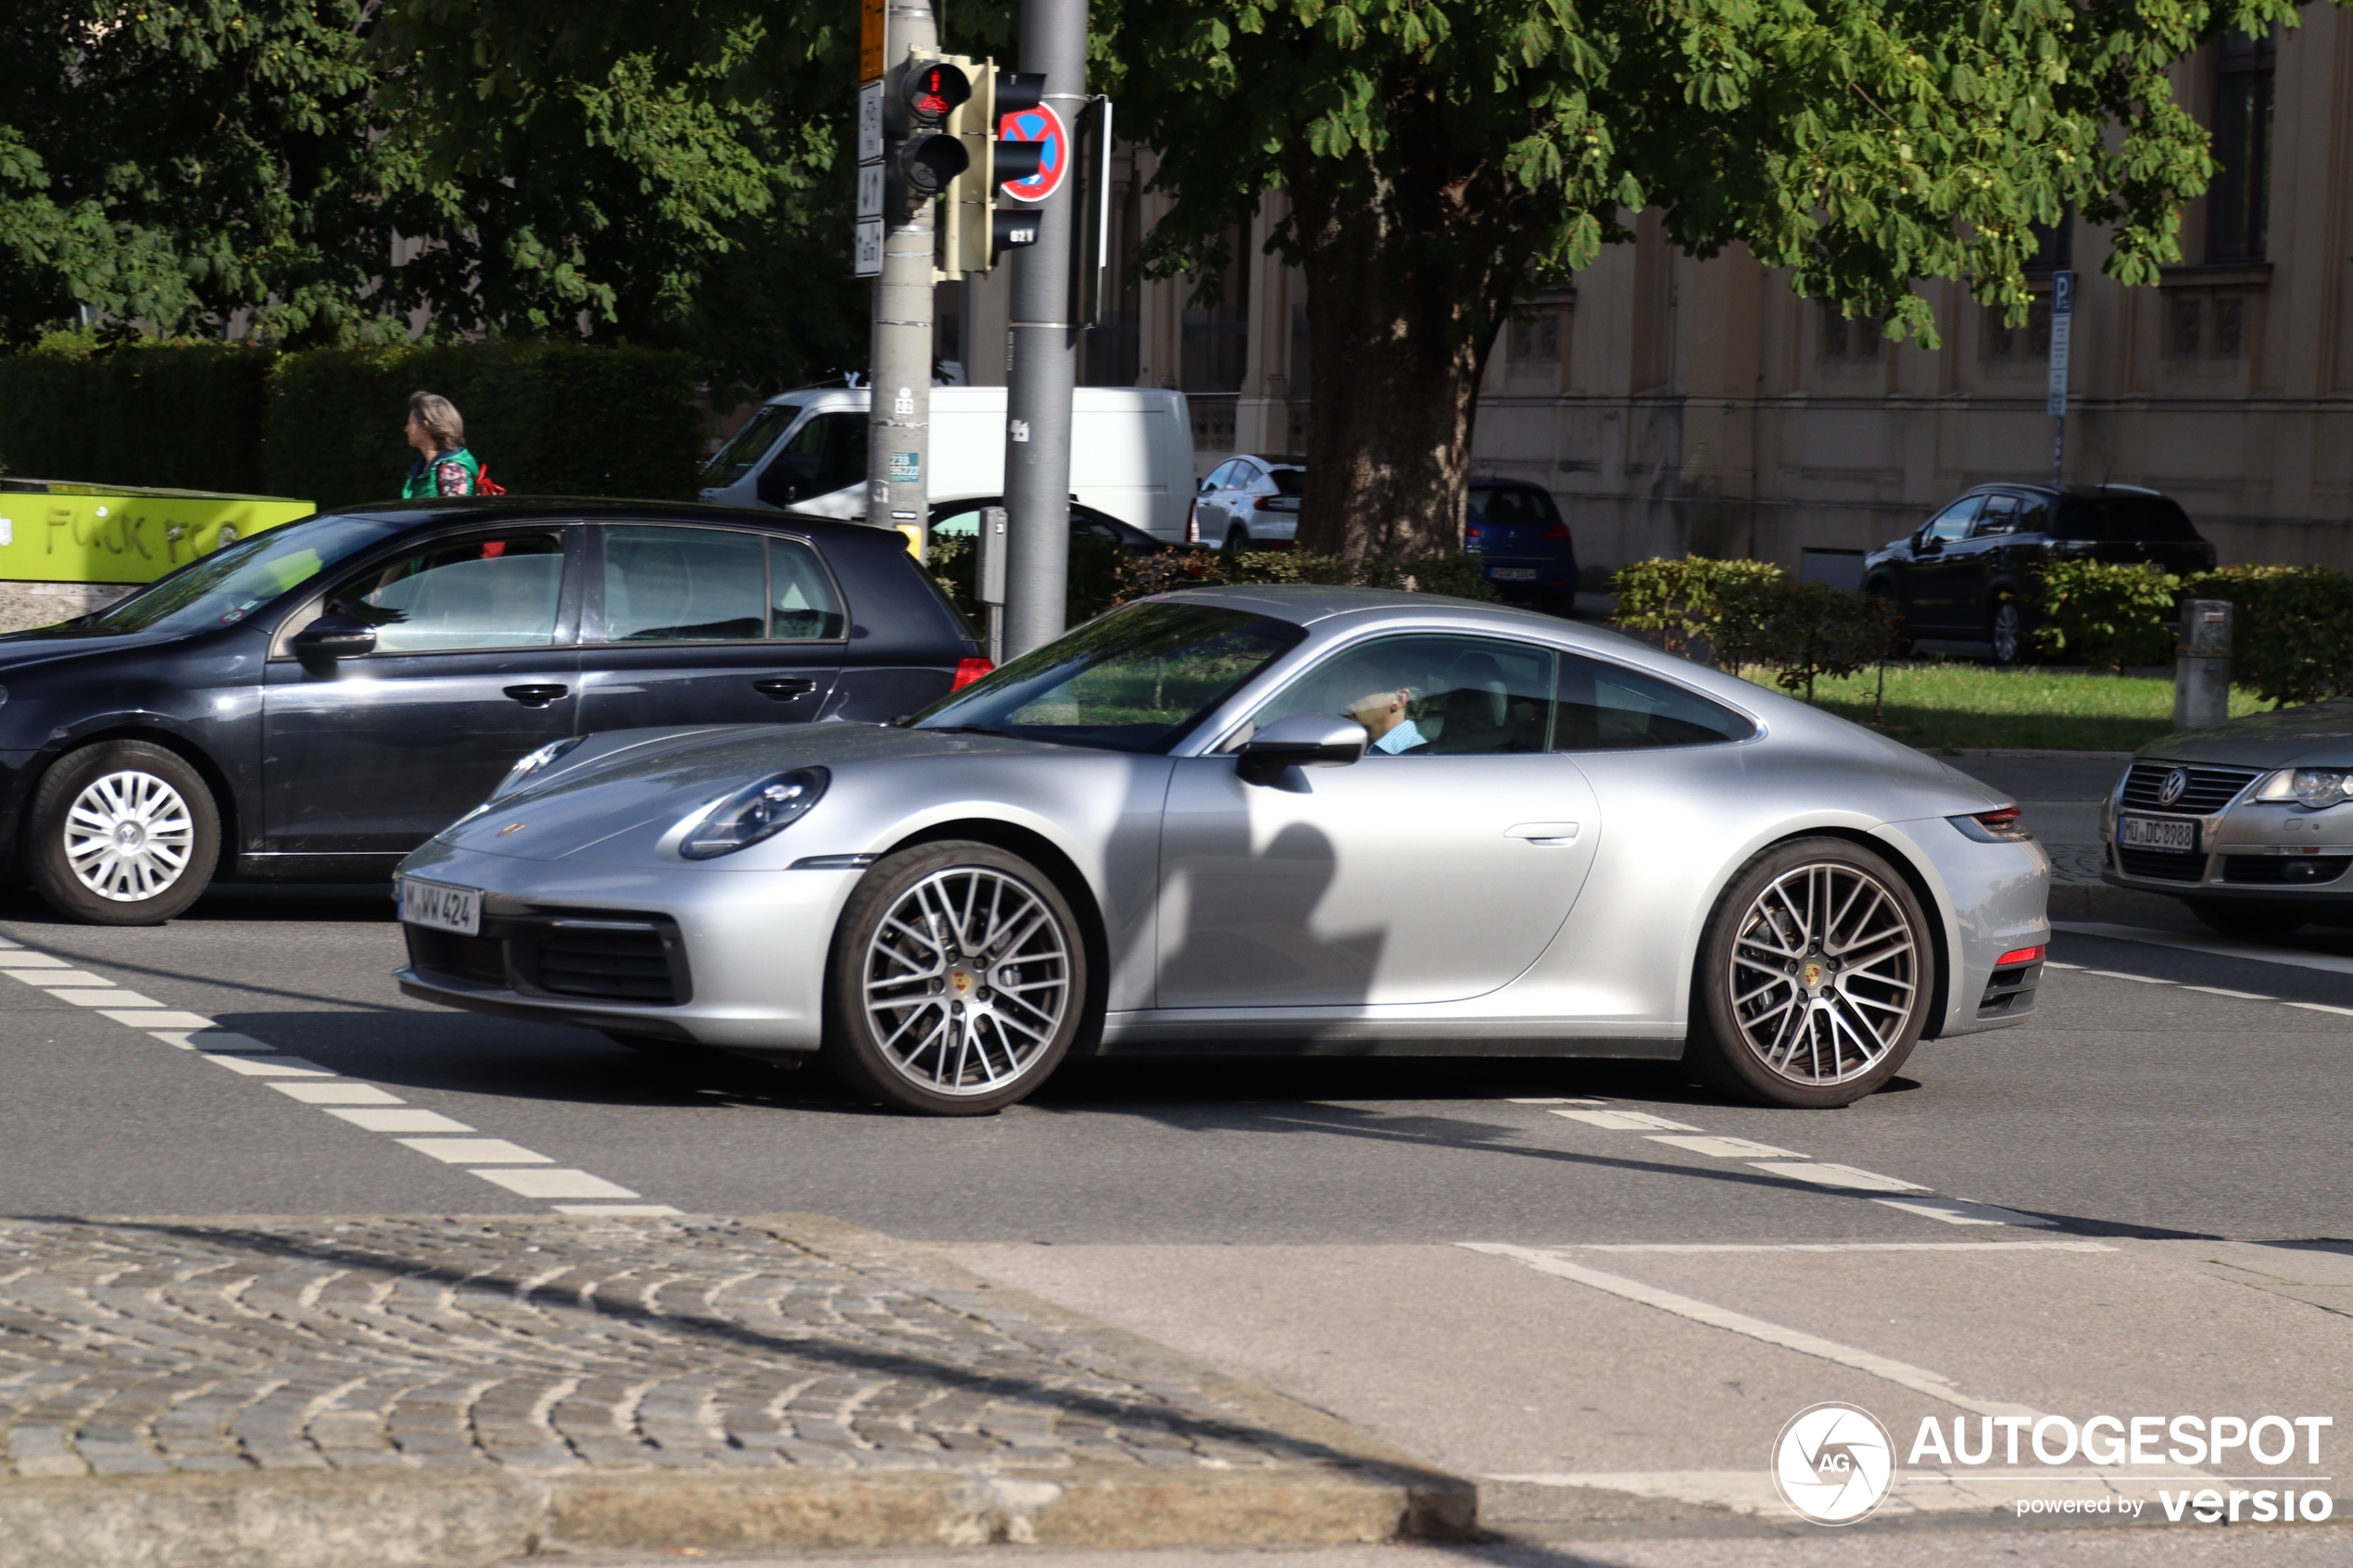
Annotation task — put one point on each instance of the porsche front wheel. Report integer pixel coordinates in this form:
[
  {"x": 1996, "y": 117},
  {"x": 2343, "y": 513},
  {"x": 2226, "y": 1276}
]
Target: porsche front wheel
[
  {"x": 957, "y": 980},
  {"x": 1815, "y": 977}
]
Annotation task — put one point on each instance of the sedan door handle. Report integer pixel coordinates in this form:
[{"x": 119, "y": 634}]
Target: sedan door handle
[
  {"x": 784, "y": 688},
  {"x": 1550, "y": 835},
  {"x": 536, "y": 696}
]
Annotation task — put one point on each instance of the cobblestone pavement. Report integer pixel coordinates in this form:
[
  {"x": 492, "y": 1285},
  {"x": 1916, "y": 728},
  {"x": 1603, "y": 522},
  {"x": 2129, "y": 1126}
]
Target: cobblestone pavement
[{"x": 556, "y": 1346}]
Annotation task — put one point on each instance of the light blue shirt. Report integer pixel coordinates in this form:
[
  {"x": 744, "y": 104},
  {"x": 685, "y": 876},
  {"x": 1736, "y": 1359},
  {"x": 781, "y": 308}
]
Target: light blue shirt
[{"x": 1403, "y": 737}]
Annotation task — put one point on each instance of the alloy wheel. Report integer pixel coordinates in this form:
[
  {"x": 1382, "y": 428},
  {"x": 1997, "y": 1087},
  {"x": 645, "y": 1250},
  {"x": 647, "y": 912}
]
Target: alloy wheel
[
  {"x": 1825, "y": 974},
  {"x": 2009, "y": 632},
  {"x": 966, "y": 980},
  {"x": 127, "y": 837}
]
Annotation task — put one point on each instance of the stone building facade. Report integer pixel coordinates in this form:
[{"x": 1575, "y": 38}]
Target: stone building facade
[{"x": 1674, "y": 405}]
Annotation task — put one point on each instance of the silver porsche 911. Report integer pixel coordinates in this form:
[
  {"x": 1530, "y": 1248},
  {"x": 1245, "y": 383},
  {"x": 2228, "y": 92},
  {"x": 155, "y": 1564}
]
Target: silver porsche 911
[{"x": 1256, "y": 820}]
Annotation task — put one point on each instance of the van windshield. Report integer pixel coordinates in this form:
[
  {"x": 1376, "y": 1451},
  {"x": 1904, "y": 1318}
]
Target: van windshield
[{"x": 749, "y": 445}]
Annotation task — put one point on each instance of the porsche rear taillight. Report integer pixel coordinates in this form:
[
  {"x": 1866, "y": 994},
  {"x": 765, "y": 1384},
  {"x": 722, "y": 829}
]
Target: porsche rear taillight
[{"x": 968, "y": 670}]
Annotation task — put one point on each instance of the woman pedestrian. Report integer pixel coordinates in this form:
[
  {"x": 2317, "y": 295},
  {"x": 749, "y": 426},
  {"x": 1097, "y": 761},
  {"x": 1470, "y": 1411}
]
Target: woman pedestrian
[{"x": 444, "y": 467}]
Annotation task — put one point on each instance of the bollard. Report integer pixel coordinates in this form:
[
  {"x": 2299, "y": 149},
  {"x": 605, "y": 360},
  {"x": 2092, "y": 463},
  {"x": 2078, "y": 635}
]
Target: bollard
[{"x": 2202, "y": 671}]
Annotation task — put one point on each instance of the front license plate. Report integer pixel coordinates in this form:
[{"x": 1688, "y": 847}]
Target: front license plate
[
  {"x": 2156, "y": 833},
  {"x": 441, "y": 907},
  {"x": 1512, "y": 574}
]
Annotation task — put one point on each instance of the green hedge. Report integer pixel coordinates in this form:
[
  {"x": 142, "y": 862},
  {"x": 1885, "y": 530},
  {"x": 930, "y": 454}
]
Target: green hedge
[
  {"x": 544, "y": 420},
  {"x": 182, "y": 416},
  {"x": 324, "y": 424},
  {"x": 2291, "y": 629}
]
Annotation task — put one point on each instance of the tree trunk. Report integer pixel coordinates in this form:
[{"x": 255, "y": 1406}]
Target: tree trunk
[{"x": 1410, "y": 271}]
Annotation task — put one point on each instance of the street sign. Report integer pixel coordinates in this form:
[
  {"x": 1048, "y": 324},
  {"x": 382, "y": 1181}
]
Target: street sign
[
  {"x": 870, "y": 121},
  {"x": 866, "y": 253},
  {"x": 2062, "y": 329},
  {"x": 1041, "y": 125},
  {"x": 866, "y": 247},
  {"x": 874, "y": 25}
]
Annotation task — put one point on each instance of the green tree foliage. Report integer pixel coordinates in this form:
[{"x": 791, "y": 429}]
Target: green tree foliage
[
  {"x": 319, "y": 172},
  {"x": 1442, "y": 157},
  {"x": 2110, "y": 616}
]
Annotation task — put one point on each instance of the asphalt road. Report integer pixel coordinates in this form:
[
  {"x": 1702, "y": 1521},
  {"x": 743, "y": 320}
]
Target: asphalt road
[{"x": 2140, "y": 1200}]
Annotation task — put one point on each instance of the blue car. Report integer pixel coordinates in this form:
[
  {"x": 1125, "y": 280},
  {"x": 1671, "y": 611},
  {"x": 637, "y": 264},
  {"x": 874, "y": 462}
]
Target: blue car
[{"x": 1529, "y": 557}]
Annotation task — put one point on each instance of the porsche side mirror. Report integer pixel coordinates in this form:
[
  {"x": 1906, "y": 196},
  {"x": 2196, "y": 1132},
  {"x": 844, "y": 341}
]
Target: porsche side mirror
[
  {"x": 1304, "y": 740},
  {"x": 331, "y": 638}
]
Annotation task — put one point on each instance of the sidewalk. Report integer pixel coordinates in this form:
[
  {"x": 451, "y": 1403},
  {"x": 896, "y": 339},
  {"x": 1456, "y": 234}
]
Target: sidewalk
[{"x": 284, "y": 1394}]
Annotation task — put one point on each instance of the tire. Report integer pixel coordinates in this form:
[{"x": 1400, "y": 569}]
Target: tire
[
  {"x": 1236, "y": 539},
  {"x": 2253, "y": 922},
  {"x": 2006, "y": 629},
  {"x": 1768, "y": 936},
  {"x": 144, "y": 825},
  {"x": 903, "y": 971}
]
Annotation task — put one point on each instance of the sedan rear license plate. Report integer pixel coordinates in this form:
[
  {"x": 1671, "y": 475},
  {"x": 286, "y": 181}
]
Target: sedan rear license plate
[
  {"x": 2156, "y": 833},
  {"x": 441, "y": 907},
  {"x": 1512, "y": 574}
]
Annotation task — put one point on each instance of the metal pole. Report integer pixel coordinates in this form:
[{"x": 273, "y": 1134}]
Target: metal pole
[
  {"x": 899, "y": 419},
  {"x": 1045, "y": 363},
  {"x": 2058, "y": 451}
]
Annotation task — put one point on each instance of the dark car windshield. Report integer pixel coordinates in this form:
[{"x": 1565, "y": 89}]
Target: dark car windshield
[
  {"x": 750, "y": 445},
  {"x": 1136, "y": 680},
  {"x": 2155, "y": 518},
  {"x": 227, "y": 586}
]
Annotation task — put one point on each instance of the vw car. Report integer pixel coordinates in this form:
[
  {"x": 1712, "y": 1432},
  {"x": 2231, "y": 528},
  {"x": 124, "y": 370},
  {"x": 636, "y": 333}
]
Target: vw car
[
  {"x": 2249, "y": 823},
  {"x": 1243, "y": 821},
  {"x": 312, "y": 703},
  {"x": 1967, "y": 574},
  {"x": 1523, "y": 542}
]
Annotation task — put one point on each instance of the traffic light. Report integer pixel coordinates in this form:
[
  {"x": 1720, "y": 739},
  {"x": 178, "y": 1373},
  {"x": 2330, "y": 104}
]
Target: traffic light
[
  {"x": 926, "y": 155},
  {"x": 980, "y": 220}
]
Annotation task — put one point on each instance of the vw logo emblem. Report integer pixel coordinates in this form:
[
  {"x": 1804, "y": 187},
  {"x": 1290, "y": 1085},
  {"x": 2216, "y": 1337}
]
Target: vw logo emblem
[{"x": 2175, "y": 782}]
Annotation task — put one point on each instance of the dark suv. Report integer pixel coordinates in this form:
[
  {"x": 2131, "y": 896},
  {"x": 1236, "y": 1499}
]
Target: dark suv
[{"x": 1967, "y": 574}]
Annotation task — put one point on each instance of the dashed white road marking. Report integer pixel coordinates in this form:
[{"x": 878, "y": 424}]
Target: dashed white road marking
[
  {"x": 1936, "y": 1385},
  {"x": 1824, "y": 1174},
  {"x": 1833, "y": 1245},
  {"x": 475, "y": 1151},
  {"x": 1723, "y": 1148},
  {"x": 2217, "y": 946},
  {"x": 560, "y": 1182},
  {"x": 2225, "y": 991},
  {"x": 1549, "y": 1099},
  {"x": 1627, "y": 1120},
  {"x": 1961, "y": 1212},
  {"x": 2322, "y": 1007},
  {"x": 2136, "y": 979},
  {"x": 521, "y": 1170}
]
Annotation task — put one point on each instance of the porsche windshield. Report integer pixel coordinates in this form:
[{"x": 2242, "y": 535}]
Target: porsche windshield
[{"x": 1136, "y": 680}]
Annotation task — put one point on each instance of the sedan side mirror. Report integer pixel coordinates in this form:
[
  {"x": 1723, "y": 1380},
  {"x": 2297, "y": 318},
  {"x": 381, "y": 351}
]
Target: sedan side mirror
[
  {"x": 1304, "y": 740},
  {"x": 331, "y": 638}
]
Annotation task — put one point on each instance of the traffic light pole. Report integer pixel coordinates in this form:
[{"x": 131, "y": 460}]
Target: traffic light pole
[
  {"x": 1045, "y": 356},
  {"x": 899, "y": 420}
]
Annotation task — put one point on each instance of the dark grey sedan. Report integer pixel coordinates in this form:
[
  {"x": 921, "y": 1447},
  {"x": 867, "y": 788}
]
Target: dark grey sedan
[{"x": 2251, "y": 822}]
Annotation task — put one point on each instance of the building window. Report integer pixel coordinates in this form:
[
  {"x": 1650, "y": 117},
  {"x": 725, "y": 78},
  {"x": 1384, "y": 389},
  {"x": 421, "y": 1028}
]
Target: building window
[
  {"x": 2202, "y": 324},
  {"x": 1851, "y": 342},
  {"x": 2184, "y": 325},
  {"x": 1216, "y": 337},
  {"x": 2032, "y": 341},
  {"x": 2237, "y": 210},
  {"x": 1535, "y": 338}
]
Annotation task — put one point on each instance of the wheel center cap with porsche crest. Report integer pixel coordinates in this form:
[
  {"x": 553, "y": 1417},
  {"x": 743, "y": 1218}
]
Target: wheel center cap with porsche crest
[
  {"x": 2171, "y": 789},
  {"x": 1812, "y": 977},
  {"x": 960, "y": 981}
]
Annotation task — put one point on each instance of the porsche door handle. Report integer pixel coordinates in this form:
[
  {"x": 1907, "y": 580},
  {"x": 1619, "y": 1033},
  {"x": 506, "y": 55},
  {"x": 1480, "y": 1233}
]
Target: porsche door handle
[
  {"x": 1549, "y": 835},
  {"x": 536, "y": 696},
  {"x": 783, "y": 688}
]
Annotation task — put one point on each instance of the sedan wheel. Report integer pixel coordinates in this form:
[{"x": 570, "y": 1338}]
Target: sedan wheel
[
  {"x": 123, "y": 834},
  {"x": 959, "y": 981},
  {"x": 1815, "y": 977},
  {"x": 2007, "y": 631}
]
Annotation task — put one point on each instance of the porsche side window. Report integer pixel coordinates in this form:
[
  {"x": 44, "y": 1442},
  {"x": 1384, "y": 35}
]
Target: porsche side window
[
  {"x": 1606, "y": 708},
  {"x": 665, "y": 585},
  {"x": 450, "y": 598},
  {"x": 801, "y": 604},
  {"x": 1432, "y": 695}
]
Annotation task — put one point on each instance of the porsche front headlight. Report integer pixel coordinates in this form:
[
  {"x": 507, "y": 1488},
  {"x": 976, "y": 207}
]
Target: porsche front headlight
[{"x": 754, "y": 812}]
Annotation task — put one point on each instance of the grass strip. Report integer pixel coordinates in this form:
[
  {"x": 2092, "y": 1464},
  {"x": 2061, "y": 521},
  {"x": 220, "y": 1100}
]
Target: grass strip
[{"x": 1939, "y": 706}]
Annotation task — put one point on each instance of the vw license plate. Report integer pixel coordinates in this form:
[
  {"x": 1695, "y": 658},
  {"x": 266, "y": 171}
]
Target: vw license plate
[
  {"x": 2156, "y": 833},
  {"x": 1512, "y": 574},
  {"x": 441, "y": 907}
]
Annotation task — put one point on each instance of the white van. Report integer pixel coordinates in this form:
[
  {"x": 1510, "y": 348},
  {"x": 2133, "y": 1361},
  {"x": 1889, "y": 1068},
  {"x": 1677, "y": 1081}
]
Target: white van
[{"x": 1131, "y": 452}]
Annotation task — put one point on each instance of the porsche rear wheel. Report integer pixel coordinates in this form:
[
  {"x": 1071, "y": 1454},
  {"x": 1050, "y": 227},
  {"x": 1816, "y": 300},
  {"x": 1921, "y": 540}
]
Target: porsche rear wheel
[
  {"x": 957, "y": 980},
  {"x": 1815, "y": 977}
]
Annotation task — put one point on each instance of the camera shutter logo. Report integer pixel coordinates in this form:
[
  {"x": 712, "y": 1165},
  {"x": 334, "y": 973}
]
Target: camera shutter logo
[
  {"x": 2171, "y": 789},
  {"x": 1833, "y": 1463}
]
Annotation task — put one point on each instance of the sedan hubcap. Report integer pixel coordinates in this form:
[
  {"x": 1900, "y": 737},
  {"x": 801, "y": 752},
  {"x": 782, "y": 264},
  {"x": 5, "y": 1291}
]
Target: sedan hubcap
[
  {"x": 1825, "y": 974},
  {"x": 127, "y": 837},
  {"x": 967, "y": 979}
]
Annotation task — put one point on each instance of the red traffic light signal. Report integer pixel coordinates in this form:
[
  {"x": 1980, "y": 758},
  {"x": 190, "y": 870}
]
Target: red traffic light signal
[{"x": 932, "y": 91}]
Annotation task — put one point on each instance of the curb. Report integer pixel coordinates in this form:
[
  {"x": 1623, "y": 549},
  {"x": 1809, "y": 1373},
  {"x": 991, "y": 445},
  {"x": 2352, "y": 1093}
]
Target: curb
[
  {"x": 1349, "y": 1489},
  {"x": 414, "y": 1520}
]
